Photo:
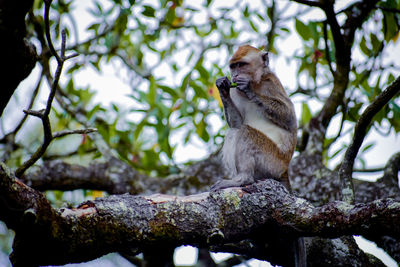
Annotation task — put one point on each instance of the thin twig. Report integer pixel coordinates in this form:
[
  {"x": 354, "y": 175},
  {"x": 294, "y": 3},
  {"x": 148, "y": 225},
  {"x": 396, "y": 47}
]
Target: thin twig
[
  {"x": 79, "y": 131},
  {"x": 44, "y": 114},
  {"x": 360, "y": 130},
  {"x": 70, "y": 154},
  {"x": 327, "y": 50},
  {"x": 47, "y": 4},
  {"x": 33, "y": 98},
  {"x": 36, "y": 113},
  {"x": 388, "y": 9},
  {"x": 378, "y": 169},
  {"x": 309, "y": 3}
]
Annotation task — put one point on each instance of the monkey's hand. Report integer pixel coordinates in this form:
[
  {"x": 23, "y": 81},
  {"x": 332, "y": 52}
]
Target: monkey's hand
[
  {"x": 223, "y": 85},
  {"x": 243, "y": 85}
]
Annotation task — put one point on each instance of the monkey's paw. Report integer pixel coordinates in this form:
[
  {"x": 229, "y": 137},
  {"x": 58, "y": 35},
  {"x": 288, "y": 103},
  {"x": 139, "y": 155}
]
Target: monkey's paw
[
  {"x": 243, "y": 85},
  {"x": 223, "y": 84},
  {"x": 222, "y": 184}
]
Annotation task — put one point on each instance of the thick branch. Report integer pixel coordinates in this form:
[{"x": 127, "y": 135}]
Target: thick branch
[
  {"x": 343, "y": 41},
  {"x": 18, "y": 55},
  {"x": 309, "y": 179},
  {"x": 117, "y": 223},
  {"x": 343, "y": 38},
  {"x": 117, "y": 177}
]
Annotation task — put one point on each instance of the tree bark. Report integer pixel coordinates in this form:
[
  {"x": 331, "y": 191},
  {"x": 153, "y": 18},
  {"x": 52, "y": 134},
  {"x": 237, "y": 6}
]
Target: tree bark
[
  {"x": 263, "y": 213},
  {"x": 18, "y": 55}
]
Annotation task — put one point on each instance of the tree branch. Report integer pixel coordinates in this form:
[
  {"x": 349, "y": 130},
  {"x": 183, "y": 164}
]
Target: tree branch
[
  {"x": 116, "y": 177},
  {"x": 360, "y": 130},
  {"x": 47, "y": 5},
  {"x": 18, "y": 54},
  {"x": 343, "y": 37},
  {"x": 309, "y": 3},
  {"x": 202, "y": 220},
  {"x": 79, "y": 131},
  {"x": 327, "y": 50},
  {"x": 309, "y": 179},
  {"x": 44, "y": 115}
]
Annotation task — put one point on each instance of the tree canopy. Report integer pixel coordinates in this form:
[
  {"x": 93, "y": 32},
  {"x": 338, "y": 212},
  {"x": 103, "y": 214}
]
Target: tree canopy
[{"x": 338, "y": 62}]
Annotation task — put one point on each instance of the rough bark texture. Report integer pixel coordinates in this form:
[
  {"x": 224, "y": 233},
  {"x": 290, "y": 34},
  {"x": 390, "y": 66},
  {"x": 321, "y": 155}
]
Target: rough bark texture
[
  {"x": 18, "y": 54},
  {"x": 234, "y": 219}
]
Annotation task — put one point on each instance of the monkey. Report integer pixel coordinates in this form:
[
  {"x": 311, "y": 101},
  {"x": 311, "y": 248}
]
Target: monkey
[{"x": 262, "y": 122}]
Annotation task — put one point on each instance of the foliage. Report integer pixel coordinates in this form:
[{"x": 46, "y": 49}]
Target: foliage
[{"x": 169, "y": 54}]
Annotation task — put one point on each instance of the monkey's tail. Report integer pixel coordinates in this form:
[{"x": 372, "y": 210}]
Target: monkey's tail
[{"x": 300, "y": 254}]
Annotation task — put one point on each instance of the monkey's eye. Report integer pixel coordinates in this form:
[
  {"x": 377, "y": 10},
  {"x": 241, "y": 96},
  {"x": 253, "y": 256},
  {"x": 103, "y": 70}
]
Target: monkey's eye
[{"x": 238, "y": 64}]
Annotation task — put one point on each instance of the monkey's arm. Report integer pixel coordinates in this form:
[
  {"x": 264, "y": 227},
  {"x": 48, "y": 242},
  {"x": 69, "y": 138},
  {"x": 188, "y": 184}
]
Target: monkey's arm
[
  {"x": 279, "y": 112},
  {"x": 232, "y": 114}
]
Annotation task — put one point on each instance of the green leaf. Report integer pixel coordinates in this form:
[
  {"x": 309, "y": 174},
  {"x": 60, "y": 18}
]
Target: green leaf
[
  {"x": 151, "y": 96},
  {"x": 305, "y": 114},
  {"x": 395, "y": 119},
  {"x": 368, "y": 147},
  {"x": 337, "y": 152},
  {"x": 303, "y": 30},
  {"x": 94, "y": 27},
  {"x": 376, "y": 44},
  {"x": 139, "y": 128},
  {"x": 201, "y": 130},
  {"x": 149, "y": 11},
  {"x": 364, "y": 48},
  {"x": 169, "y": 91},
  {"x": 353, "y": 112},
  {"x": 203, "y": 72},
  {"x": 390, "y": 24},
  {"x": 170, "y": 16},
  {"x": 253, "y": 26},
  {"x": 246, "y": 13},
  {"x": 315, "y": 32},
  {"x": 185, "y": 82},
  {"x": 199, "y": 90}
]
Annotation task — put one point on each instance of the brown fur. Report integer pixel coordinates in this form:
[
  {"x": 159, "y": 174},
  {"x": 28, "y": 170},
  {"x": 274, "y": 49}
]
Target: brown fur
[
  {"x": 242, "y": 52},
  {"x": 262, "y": 137}
]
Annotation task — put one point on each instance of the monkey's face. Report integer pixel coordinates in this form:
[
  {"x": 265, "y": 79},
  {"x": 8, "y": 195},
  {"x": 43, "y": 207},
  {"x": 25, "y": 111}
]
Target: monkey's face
[
  {"x": 241, "y": 69},
  {"x": 250, "y": 67}
]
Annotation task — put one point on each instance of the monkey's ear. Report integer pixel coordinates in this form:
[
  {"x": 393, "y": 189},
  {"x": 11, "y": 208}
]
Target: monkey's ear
[{"x": 265, "y": 58}]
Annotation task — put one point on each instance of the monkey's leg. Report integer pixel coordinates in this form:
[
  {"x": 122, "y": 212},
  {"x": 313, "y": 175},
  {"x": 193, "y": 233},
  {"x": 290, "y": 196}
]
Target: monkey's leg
[{"x": 244, "y": 164}]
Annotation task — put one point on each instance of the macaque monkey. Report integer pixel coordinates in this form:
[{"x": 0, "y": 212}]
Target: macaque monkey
[
  {"x": 263, "y": 129},
  {"x": 262, "y": 135}
]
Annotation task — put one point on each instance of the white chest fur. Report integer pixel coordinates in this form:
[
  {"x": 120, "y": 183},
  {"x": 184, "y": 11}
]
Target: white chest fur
[{"x": 254, "y": 117}]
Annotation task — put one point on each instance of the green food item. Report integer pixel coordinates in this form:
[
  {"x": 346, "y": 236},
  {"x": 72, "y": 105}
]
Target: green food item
[{"x": 233, "y": 85}]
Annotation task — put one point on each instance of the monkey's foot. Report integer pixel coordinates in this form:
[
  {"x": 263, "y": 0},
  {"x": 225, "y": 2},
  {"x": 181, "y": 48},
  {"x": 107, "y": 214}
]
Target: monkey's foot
[{"x": 222, "y": 184}]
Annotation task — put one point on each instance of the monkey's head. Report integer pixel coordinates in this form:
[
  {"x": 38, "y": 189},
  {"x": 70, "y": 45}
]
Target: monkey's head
[{"x": 250, "y": 63}]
